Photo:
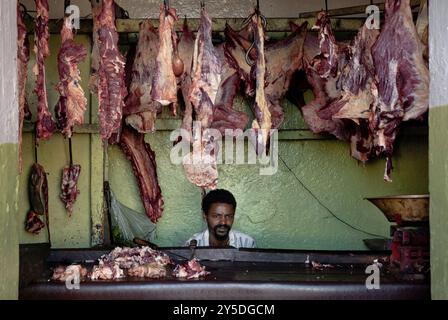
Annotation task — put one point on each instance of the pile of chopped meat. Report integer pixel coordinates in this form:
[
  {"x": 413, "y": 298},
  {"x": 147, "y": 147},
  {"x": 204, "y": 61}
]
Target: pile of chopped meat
[
  {"x": 63, "y": 273},
  {"x": 127, "y": 258},
  {"x": 190, "y": 270},
  {"x": 141, "y": 262}
]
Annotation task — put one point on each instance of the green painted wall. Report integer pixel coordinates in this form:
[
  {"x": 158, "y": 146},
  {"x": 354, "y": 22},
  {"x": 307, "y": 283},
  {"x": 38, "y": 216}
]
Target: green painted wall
[
  {"x": 438, "y": 185},
  {"x": 9, "y": 249},
  {"x": 276, "y": 210},
  {"x": 53, "y": 155}
]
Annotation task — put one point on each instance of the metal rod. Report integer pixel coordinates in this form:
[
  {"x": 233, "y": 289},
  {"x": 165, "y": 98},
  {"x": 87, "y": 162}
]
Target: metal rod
[
  {"x": 326, "y": 5},
  {"x": 35, "y": 146},
  {"x": 70, "y": 150}
]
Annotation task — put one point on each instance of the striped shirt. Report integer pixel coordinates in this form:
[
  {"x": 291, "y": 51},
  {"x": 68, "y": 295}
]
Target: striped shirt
[{"x": 236, "y": 239}]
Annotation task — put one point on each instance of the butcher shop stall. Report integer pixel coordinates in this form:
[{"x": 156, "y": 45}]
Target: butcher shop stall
[{"x": 223, "y": 149}]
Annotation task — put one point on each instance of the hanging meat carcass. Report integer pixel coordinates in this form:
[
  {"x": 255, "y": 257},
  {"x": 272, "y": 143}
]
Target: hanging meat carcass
[
  {"x": 38, "y": 195},
  {"x": 141, "y": 110},
  {"x": 168, "y": 63},
  {"x": 72, "y": 102},
  {"x": 143, "y": 163},
  {"x": 402, "y": 75},
  {"x": 262, "y": 113},
  {"x": 111, "y": 72},
  {"x": 283, "y": 58},
  {"x": 45, "y": 125},
  {"x": 224, "y": 115},
  {"x": 69, "y": 186},
  {"x": 200, "y": 165},
  {"x": 23, "y": 56},
  {"x": 186, "y": 48},
  {"x": 95, "y": 55}
]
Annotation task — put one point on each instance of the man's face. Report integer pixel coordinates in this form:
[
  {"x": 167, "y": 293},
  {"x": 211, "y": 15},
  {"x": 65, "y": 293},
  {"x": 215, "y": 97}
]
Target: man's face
[{"x": 220, "y": 219}]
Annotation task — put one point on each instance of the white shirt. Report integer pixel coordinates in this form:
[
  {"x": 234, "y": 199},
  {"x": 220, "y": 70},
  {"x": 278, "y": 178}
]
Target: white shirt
[{"x": 236, "y": 239}]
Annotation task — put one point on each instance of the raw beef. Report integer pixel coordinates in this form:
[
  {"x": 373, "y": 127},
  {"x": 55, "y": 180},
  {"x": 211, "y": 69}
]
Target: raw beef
[
  {"x": 164, "y": 88},
  {"x": 69, "y": 187},
  {"x": 143, "y": 163},
  {"x": 95, "y": 55},
  {"x": 45, "y": 124},
  {"x": 190, "y": 270},
  {"x": 402, "y": 75},
  {"x": 186, "y": 48},
  {"x": 141, "y": 110},
  {"x": 72, "y": 102},
  {"x": 111, "y": 84},
  {"x": 262, "y": 113},
  {"x": 23, "y": 56},
  {"x": 283, "y": 58},
  {"x": 200, "y": 165},
  {"x": 358, "y": 94},
  {"x": 62, "y": 273},
  {"x": 150, "y": 270},
  {"x": 38, "y": 195}
]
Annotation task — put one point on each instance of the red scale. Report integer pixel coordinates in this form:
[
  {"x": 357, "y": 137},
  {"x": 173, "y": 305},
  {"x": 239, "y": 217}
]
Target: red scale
[{"x": 410, "y": 235}]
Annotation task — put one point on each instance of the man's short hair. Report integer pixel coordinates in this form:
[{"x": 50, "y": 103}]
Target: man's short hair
[{"x": 217, "y": 196}]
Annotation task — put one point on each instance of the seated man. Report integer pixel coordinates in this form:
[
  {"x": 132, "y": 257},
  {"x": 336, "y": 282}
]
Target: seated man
[{"x": 218, "y": 210}]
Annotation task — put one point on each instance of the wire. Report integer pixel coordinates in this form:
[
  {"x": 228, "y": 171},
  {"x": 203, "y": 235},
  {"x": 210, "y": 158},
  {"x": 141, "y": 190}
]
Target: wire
[{"x": 324, "y": 206}]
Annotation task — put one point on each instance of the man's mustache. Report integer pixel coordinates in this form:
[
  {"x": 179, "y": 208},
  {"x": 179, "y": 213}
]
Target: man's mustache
[{"x": 221, "y": 226}]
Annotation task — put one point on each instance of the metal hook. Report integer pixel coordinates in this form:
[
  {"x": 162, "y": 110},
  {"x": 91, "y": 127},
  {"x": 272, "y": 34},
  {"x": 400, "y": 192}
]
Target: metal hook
[
  {"x": 24, "y": 9},
  {"x": 248, "y": 60}
]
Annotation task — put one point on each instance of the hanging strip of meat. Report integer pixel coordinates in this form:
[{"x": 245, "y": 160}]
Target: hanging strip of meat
[
  {"x": 69, "y": 186},
  {"x": 261, "y": 109},
  {"x": 23, "y": 56},
  {"x": 402, "y": 75},
  {"x": 72, "y": 102},
  {"x": 95, "y": 55},
  {"x": 164, "y": 88},
  {"x": 200, "y": 165},
  {"x": 283, "y": 59},
  {"x": 111, "y": 85},
  {"x": 186, "y": 48},
  {"x": 143, "y": 163},
  {"x": 38, "y": 194},
  {"x": 359, "y": 93},
  {"x": 45, "y": 124},
  {"x": 141, "y": 110}
]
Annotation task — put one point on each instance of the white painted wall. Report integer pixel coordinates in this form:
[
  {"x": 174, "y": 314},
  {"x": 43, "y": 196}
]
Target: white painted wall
[{"x": 9, "y": 125}]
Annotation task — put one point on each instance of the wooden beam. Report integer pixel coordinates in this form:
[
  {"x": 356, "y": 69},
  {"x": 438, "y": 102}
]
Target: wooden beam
[
  {"x": 85, "y": 128},
  {"x": 273, "y": 24},
  {"x": 170, "y": 124},
  {"x": 351, "y": 10}
]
